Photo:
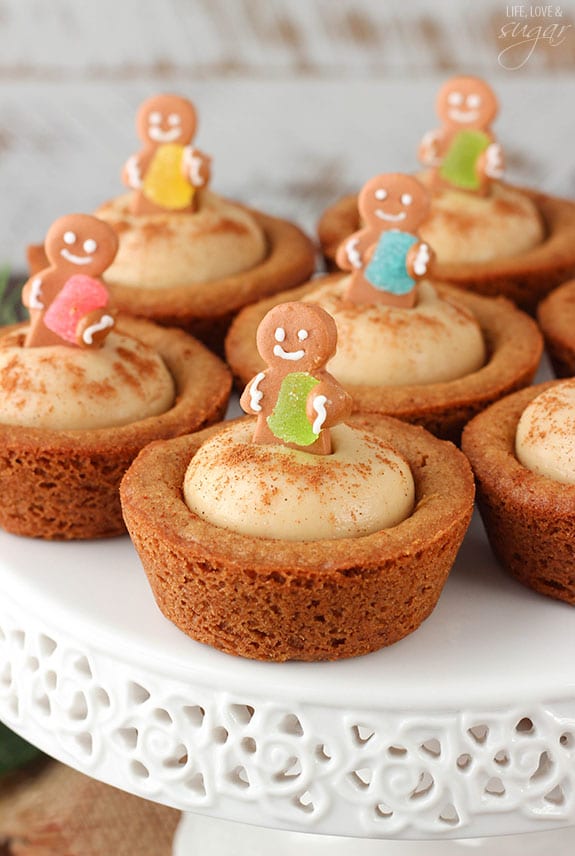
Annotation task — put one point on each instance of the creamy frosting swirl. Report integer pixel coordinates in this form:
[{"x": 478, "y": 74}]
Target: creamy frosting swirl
[
  {"x": 469, "y": 228},
  {"x": 169, "y": 249},
  {"x": 381, "y": 345},
  {"x": 275, "y": 492},
  {"x": 63, "y": 388},
  {"x": 545, "y": 437}
]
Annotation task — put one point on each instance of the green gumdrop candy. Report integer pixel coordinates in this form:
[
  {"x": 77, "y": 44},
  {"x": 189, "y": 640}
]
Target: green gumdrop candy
[
  {"x": 459, "y": 164},
  {"x": 288, "y": 421}
]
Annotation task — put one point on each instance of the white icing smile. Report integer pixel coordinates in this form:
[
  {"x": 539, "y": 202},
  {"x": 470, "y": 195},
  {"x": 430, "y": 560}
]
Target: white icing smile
[
  {"x": 159, "y": 136},
  {"x": 391, "y": 218},
  {"x": 288, "y": 355},
  {"x": 463, "y": 116},
  {"x": 76, "y": 260}
]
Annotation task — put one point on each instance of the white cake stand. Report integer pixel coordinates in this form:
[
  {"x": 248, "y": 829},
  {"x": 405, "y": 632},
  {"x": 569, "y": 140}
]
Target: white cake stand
[{"x": 464, "y": 729}]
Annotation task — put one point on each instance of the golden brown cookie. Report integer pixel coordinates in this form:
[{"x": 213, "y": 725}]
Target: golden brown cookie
[
  {"x": 205, "y": 309},
  {"x": 529, "y": 518},
  {"x": 514, "y": 347},
  {"x": 556, "y": 317},
  {"x": 63, "y": 484},
  {"x": 525, "y": 278},
  {"x": 304, "y": 600}
]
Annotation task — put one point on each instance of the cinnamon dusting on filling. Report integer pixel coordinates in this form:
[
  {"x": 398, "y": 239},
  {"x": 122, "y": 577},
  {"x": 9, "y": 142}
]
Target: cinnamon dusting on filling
[{"x": 11, "y": 379}]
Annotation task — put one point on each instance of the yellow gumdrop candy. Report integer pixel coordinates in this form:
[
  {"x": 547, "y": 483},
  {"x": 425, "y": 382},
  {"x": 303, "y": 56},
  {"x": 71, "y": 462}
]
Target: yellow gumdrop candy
[{"x": 164, "y": 183}]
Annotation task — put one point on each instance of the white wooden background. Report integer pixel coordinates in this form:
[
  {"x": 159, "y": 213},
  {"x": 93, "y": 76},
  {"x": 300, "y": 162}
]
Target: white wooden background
[{"x": 299, "y": 100}]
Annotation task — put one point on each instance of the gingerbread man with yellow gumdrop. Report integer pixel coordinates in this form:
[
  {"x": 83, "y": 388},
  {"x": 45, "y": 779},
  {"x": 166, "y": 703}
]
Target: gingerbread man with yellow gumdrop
[
  {"x": 463, "y": 153},
  {"x": 387, "y": 257},
  {"x": 295, "y": 399},
  {"x": 67, "y": 305},
  {"x": 166, "y": 174}
]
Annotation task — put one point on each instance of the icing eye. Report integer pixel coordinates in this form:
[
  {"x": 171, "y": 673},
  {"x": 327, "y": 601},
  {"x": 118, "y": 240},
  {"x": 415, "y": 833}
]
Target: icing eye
[
  {"x": 90, "y": 245},
  {"x": 473, "y": 100},
  {"x": 279, "y": 334},
  {"x": 69, "y": 237},
  {"x": 174, "y": 119},
  {"x": 380, "y": 194},
  {"x": 302, "y": 335},
  {"x": 406, "y": 198},
  {"x": 155, "y": 118},
  {"x": 455, "y": 99}
]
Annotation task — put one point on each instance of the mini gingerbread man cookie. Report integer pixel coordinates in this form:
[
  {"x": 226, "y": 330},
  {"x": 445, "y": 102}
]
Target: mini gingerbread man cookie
[
  {"x": 463, "y": 153},
  {"x": 387, "y": 257},
  {"x": 167, "y": 172},
  {"x": 295, "y": 399},
  {"x": 67, "y": 305}
]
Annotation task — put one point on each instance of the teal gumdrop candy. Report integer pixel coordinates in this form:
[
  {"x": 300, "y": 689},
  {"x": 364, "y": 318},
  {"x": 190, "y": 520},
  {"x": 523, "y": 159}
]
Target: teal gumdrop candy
[
  {"x": 288, "y": 421},
  {"x": 459, "y": 164},
  {"x": 386, "y": 269}
]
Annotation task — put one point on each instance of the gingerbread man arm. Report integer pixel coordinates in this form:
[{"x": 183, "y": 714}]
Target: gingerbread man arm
[
  {"x": 420, "y": 260},
  {"x": 32, "y": 296},
  {"x": 93, "y": 328},
  {"x": 351, "y": 252},
  {"x": 492, "y": 163},
  {"x": 196, "y": 167},
  {"x": 135, "y": 169},
  {"x": 433, "y": 147},
  {"x": 328, "y": 403},
  {"x": 252, "y": 396}
]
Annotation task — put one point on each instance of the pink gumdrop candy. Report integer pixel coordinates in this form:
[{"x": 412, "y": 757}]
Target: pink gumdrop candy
[{"x": 80, "y": 295}]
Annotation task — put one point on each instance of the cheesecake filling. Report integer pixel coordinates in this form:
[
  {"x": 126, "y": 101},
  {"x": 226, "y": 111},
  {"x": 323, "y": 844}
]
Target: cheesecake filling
[
  {"x": 174, "y": 249},
  {"x": 271, "y": 491},
  {"x": 468, "y": 228},
  {"x": 545, "y": 437},
  {"x": 380, "y": 345},
  {"x": 63, "y": 388}
]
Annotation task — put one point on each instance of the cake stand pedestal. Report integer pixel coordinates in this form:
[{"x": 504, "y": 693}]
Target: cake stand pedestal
[{"x": 463, "y": 730}]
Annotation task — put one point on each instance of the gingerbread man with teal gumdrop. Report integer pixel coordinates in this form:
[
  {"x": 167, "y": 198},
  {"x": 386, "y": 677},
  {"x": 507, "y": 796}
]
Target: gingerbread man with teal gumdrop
[
  {"x": 295, "y": 399},
  {"x": 387, "y": 257},
  {"x": 463, "y": 153}
]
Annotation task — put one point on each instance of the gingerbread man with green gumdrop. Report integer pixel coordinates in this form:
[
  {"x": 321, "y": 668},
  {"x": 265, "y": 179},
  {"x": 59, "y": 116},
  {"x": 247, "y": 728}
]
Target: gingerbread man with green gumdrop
[
  {"x": 387, "y": 257},
  {"x": 295, "y": 399},
  {"x": 167, "y": 173},
  {"x": 463, "y": 153}
]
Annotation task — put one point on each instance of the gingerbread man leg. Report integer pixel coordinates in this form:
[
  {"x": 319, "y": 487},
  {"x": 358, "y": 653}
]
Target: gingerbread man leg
[{"x": 361, "y": 291}]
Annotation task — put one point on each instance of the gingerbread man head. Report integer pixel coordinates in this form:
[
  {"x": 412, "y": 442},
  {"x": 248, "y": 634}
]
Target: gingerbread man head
[
  {"x": 81, "y": 244},
  {"x": 393, "y": 200},
  {"x": 298, "y": 337},
  {"x": 466, "y": 102},
  {"x": 166, "y": 119}
]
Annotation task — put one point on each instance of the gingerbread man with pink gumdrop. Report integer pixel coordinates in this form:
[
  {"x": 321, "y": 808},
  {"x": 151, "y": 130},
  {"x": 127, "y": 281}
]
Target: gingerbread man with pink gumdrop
[
  {"x": 167, "y": 173},
  {"x": 67, "y": 305},
  {"x": 463, "y": 153},
  {"x": 387, "y": 257},
  {"x": 295, "y": 398}
]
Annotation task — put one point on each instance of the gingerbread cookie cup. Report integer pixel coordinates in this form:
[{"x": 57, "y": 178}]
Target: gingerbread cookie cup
[
  {"x": 513, "y": 344},
  {"x": 524, "y": 278},
  {"x": 304, "y": 600},
  {"x": 556, "y": 317},
  {"x": 529, "y": 518},
  {"x": 203, "y": 308},
  {"x": 63, "y": 484}
]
